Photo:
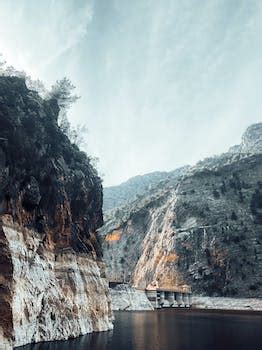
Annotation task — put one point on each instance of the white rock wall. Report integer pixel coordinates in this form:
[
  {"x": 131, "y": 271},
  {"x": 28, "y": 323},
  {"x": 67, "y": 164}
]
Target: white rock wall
[
  {"x": 54, "y": 296},
  {"x": 221, "y": 303},
  {"x": 127, "y": 298},
  {"x": 5, "y": 344}
]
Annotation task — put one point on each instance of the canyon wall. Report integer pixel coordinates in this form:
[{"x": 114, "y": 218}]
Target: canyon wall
[
  {"x": 52, "y": 280},
  {"x": 201, "y": 231}
]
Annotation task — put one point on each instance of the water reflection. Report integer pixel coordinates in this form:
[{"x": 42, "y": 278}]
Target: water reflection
[
  {"x": 89, "y": 341},
  {"x": 170, "y": 330}
]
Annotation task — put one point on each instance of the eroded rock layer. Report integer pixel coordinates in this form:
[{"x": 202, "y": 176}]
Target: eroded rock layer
[
  {"x": 52, "y": 282},
  {"x": 200, "y": 232},
  {"x": 127, "y": 298}
]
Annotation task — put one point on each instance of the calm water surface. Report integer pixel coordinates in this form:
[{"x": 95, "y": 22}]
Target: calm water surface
[{"x": 171, "y": 330}]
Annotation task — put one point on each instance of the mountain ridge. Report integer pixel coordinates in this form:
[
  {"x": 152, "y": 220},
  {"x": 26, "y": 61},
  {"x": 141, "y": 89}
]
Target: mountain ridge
[
  {"x": 193, "y": 231},
  {"x": 118, "y": 195}
]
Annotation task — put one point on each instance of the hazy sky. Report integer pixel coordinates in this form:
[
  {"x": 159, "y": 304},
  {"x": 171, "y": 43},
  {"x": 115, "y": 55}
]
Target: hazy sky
[{"x": 162, "y": 83}]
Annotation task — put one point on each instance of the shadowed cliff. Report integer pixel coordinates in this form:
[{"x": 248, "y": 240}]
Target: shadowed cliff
[
  {"x": 46, "y": 183},
  {"x": 52, "y": 280}
]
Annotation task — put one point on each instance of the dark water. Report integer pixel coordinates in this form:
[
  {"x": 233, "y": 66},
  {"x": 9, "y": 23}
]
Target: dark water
[{"x": 171, "y": 330}]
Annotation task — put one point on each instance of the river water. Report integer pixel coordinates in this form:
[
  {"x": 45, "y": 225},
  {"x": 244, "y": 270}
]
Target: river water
[{"x": 169, "y": 329}]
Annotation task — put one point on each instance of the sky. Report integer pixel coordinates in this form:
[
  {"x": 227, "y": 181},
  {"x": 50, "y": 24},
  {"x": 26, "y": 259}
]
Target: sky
[{"x": 162, "y": 83}]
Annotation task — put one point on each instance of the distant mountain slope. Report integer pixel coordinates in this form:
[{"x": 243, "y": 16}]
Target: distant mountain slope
[
  {"x": 200, "y": 231},
  {"x": 116, "y": 196},
  {"x": 128, "y": 191}
]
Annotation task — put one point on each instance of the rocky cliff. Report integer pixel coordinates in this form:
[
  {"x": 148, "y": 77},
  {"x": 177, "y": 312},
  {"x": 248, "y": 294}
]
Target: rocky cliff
[
  {"x": 200, "y": 231},
  {"x": 52, "y": 281}
]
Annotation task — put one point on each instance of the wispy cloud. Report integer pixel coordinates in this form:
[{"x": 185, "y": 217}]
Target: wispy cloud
[
  {"x": 163, "y": 83},
  {"x": 35, "y": 34}
]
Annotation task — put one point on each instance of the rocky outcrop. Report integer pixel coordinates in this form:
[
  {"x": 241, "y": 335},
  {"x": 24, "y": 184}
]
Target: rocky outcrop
[
  {"x": 251, "y": 140},
  {"x": 53, "y": 295},
  {"x": 200, "y": 231},
  {"x": 221, "y": 303},
  {"x": 127, "y": 298},
  {"x": 52, "y": 281}
]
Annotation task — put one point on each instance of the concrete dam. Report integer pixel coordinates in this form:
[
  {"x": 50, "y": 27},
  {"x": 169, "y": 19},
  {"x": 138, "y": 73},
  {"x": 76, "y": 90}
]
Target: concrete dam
[{"x": 160, "y": 298}]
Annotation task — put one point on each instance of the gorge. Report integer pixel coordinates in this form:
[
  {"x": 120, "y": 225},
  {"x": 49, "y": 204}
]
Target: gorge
[
  {"x": 197, "y": 228},
  {"x": 130, "y": 175}
]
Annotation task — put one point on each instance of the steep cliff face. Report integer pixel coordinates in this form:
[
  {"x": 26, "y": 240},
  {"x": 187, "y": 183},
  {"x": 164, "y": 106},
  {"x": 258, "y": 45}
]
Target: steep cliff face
[
  {"x": 124, "y": 234},
  {"x": 202, "y": 231},
  {"x": 52, "y": 282}
]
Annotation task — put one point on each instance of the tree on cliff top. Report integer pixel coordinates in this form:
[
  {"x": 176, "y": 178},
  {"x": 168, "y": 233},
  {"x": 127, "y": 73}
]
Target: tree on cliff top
[{"x": 62, "y": 91}]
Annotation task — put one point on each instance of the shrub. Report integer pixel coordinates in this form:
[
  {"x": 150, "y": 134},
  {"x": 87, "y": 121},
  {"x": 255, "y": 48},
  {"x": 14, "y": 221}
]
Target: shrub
[
  {"x": 233, "y": 216},
  {"x": 216, "y": 194}
]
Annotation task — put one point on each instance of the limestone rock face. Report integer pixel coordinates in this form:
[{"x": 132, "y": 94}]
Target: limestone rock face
[
  {"x": 223, "y": 303},
  {"x": 52, "y": 281},
  {"x": 127, "y": 298},
  {"x": 200, "y": 232},
  {"x": 55, "y": 295}
]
